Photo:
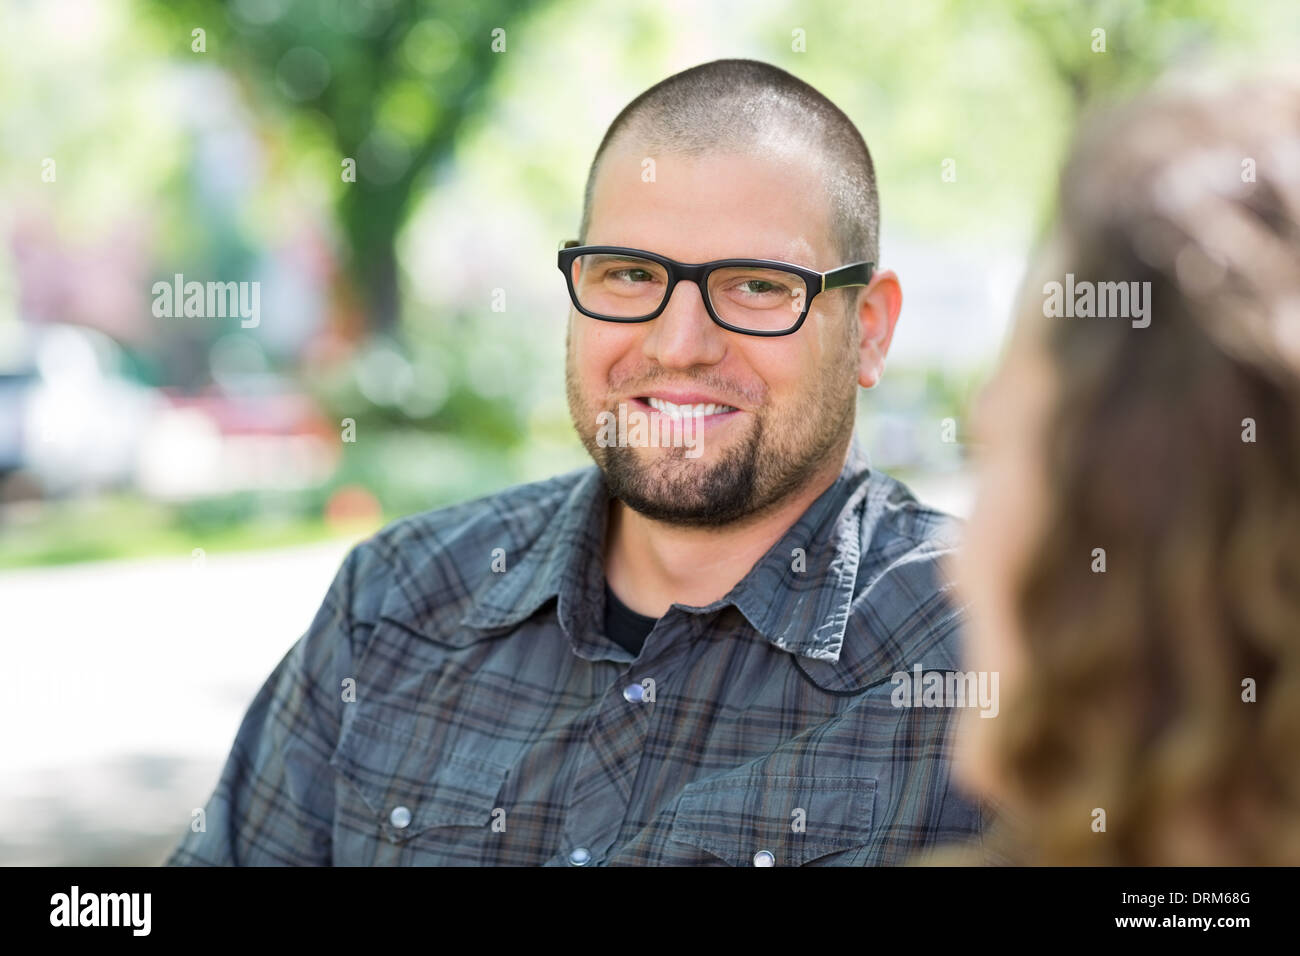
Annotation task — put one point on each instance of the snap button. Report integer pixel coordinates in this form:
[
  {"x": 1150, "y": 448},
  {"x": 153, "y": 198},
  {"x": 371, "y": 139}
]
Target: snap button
[
  {"x": 581, "y": 856},
  {"x": 764, "y": 858},
  {"x": 634, "y": 693},
  {"x": 400, "y": 817}
]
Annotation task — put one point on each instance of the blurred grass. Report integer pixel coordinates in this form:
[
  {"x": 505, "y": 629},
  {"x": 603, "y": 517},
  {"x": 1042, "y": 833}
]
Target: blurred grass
[
  {"x": 392, "y": 470},
  {"x": 116, "y": 527}
]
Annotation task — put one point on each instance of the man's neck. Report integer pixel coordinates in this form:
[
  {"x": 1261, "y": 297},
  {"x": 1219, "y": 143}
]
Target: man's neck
[{"x": 651, "y": 565}]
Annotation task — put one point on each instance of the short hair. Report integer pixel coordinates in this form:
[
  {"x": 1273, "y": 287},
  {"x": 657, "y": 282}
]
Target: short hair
[{"x": 714, "y": 106}]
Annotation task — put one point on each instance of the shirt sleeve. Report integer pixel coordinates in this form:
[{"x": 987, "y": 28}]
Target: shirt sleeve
[{"x": 274, "y": 802}]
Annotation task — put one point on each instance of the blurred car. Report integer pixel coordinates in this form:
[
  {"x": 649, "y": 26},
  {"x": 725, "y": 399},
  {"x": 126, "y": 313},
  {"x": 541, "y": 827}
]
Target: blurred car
[
  {"x": 70, "y": 421},
  {"x": 267, "y": 437}
]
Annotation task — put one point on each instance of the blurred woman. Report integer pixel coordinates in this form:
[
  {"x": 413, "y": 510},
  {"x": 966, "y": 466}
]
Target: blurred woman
[{"x": 1133, "y": 559}]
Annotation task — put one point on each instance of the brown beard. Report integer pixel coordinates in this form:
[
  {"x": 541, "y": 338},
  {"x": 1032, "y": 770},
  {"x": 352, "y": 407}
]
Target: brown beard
[
  {"x": 673, "y": 490},
  {"x": 748, "y": 479}
]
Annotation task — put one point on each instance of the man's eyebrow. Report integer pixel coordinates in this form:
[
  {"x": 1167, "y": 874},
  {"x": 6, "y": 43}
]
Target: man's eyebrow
[
  {"x": 618, "y": 257},
  {"x": 600, "y": 258}
]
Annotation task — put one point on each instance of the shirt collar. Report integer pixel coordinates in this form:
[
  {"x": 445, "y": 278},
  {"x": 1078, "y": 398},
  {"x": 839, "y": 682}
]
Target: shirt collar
[
  {"x": 815, "y": 564},
  {"x": 798, "y": 596},
  {"x": 565, "y": 561}
]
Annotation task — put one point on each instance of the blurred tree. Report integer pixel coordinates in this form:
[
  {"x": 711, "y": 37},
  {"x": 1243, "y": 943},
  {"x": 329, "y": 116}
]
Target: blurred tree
[
  {"x": 997, "y": 88},
  {"x": 388, "y": 81},
  {"x": 1101, "y": 50}
]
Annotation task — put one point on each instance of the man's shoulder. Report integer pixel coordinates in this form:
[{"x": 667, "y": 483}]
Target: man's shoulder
[
  {"x": 521, "y": 511},
  {"x": 897, "y": 522},
  {"x": 904, "y": 587},
  {"x": 450, "y": 549}
]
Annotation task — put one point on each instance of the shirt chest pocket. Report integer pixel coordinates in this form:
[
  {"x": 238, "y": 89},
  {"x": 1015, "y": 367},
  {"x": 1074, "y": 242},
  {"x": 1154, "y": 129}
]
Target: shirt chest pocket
[
  {"x": 763, "y": 819},
  {"x": 411, "y": 790}
]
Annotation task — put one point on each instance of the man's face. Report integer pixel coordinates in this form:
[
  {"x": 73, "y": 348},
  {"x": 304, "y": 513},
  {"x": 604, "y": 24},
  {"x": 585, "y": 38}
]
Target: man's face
[{"x": 793, "y": 396}]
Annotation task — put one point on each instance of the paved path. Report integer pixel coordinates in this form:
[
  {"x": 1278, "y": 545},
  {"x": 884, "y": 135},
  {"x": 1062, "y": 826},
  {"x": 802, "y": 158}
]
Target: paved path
[{"x": 124, "y": 685}]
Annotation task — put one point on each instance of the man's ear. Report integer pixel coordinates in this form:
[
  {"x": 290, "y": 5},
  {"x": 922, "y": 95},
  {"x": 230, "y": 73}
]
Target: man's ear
[{"x": 877, "y": 313}]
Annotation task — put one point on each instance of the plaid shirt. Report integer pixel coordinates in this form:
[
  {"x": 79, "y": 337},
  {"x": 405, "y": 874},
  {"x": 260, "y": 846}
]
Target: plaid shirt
[{"x": 454, "y": 702}]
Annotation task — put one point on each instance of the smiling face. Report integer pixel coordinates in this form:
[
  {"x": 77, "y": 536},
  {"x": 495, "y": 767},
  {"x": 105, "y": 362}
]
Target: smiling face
[{"x": 770, "y": 414}]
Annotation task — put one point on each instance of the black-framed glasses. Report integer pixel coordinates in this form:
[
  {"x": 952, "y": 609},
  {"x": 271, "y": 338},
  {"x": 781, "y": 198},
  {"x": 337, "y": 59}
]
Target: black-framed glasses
[{"x": 751, "y": 296}]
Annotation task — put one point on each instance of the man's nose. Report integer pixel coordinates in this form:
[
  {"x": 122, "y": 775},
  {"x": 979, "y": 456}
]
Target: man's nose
[{"x": 683, "y": 334}]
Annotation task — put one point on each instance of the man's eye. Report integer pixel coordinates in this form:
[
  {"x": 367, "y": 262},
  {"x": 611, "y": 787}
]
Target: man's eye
[
  {"x": 765, "y": 291},
  {"x": 631, "y": 275}
]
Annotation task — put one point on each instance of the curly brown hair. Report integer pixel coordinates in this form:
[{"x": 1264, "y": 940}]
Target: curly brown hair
[{"x": 1174, "y": 447}]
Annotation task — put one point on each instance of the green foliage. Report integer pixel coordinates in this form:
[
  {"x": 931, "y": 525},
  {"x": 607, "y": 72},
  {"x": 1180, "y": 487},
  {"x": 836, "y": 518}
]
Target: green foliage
[
  {"x": 128, "y": 527},
  {"x": 387, "y": 84}
]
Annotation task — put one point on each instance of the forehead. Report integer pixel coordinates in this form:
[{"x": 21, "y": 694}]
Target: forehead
[{"x": 768, "y": 203}]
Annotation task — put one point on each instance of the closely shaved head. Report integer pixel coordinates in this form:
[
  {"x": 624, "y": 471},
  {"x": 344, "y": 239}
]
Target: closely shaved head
[{"x": 745, "y": 106}]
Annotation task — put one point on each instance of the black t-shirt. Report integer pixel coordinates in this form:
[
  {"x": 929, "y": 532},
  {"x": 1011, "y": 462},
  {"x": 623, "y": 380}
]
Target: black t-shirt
[{"x": 625, "y": 626}]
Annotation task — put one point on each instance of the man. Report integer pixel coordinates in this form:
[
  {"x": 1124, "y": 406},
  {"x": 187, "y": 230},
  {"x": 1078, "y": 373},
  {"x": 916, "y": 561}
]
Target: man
[{"x": 684, "y": 655}]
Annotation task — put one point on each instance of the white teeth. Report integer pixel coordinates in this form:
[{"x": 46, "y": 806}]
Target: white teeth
[{"x": 685, "y": 411}]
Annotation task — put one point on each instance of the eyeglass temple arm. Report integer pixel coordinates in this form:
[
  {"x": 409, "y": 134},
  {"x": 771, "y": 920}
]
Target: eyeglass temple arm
[{"x": 857, "y": 274}]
